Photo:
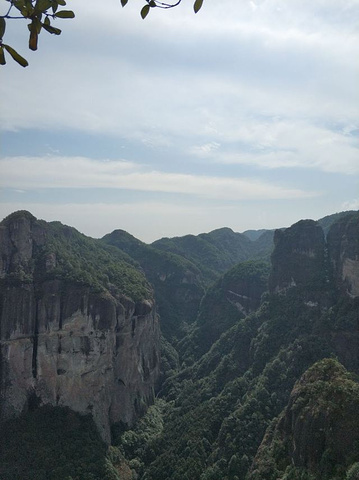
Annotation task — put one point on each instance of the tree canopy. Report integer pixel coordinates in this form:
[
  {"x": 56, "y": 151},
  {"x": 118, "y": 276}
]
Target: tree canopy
[{"x": 42, "y": 13}]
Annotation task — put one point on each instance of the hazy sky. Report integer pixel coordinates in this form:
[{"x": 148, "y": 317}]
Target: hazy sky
[{"x": 244, "y": 115}]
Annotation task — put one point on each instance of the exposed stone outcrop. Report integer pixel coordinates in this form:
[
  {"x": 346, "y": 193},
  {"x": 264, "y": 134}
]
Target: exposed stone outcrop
[
  {"x": 303, "y": 257},
  {"x": 343, "y": 249},
  {"x": 64, "y": 343},
  {"x": 298, "y": 256},
  {"x": 318, "y": 430}
]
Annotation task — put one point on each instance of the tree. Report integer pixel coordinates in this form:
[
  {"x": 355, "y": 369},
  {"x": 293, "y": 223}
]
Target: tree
[{"x": 42, "y": 13}]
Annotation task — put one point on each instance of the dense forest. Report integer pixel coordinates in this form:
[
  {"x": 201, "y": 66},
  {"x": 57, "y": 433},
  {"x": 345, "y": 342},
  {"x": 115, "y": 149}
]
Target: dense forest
[{"x": 259, "y": 346}]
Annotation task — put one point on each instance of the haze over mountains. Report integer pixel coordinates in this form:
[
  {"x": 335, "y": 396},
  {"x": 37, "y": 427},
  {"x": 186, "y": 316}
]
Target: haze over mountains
[{"x": 218, "y": 356}]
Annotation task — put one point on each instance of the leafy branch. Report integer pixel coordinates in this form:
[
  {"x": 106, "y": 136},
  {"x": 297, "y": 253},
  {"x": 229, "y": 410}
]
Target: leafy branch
[
  {"x": 157, "y": 4},
  {"x": 40, "y": 13}
]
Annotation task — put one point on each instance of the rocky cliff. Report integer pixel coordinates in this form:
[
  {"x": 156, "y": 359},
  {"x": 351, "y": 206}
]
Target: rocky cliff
[
  {"x": 302, "y": 256},
  {"x": 78, "y": 326},
  {"x": 298, "y": 256},
  {"x": 318, "y": 432},
  {"x": 343, "y": 250}
]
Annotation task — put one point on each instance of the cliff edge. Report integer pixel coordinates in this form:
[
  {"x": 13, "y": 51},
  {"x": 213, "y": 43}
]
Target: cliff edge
[{"x": 78, "y": 325}]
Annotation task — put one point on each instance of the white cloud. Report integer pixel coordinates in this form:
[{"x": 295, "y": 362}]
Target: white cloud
[
  {"x": 289, "y": 144},
  {"x": 124, "y": 76},
  {"x": 80, "y": 172},
  {"x": 269, "y": 84},
  {"x": 351, "y": 205}
]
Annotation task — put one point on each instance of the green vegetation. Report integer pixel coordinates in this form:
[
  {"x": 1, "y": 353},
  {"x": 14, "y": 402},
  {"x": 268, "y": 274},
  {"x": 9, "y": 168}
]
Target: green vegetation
[
  {"x": 232, "y": 297},
  {"x": 323, "y": 408},
  {"x": 225, "y": 398},
  {"x": 84, "y": 260},
  {"x": 53, "y": 443},
  {"x": 177, "y": 282},
  {"x": 213, "y": 253},
  {"x": 61, "y": 252},
  {"x": 254, "y": 374}
]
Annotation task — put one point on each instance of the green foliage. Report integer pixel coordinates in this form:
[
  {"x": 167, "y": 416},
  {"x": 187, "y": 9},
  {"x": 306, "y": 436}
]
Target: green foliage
[
  {"x": 232, "y": 297},
  {"x": 234, "y": 386},
  {"x": 213, "y": 253},
  {"x": 318, "y": 429},
  {"x": 177, "y": 282},
  {"x": 65, "y": 254},
  {"x": 353, "y": 472},
  {"x": 85, "y": 261},
  {"x": 52, "y": 444}
]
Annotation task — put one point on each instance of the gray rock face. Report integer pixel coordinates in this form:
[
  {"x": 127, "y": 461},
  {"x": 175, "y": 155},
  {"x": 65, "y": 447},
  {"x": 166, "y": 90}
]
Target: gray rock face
[
  {"x": 303, "y": 257},
  {"x": 343, "y": 248},
  {"x": 62, "y": 344},
  {"x": 298, "y": 256}
]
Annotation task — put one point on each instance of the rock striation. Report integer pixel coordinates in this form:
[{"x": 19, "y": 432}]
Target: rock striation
[{"x": 65, "y": 342}]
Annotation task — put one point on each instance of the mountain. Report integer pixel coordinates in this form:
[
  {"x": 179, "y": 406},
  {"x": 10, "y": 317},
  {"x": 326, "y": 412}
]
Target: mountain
[
  {"x": 213, "y": 253},
  {"x": 317, "y": 434},
  {"x": 255, "y": 234},
  {"x": 73, "y": 318},
  {"x": 236, "y": 294},
  {"x": 218, "y": 407},
  {"x": 216, "y": 252},
  {"x": 259, "y": 362},
  {"x": 177, "y": 282}
]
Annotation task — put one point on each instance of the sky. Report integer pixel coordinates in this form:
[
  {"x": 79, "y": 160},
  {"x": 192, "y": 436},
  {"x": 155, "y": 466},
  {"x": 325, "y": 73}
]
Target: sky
[{"x": 245, "y": 115}]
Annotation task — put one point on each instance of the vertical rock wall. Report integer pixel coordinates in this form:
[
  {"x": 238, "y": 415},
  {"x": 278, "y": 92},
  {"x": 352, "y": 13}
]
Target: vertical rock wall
[{"x": 62, "y": 344}]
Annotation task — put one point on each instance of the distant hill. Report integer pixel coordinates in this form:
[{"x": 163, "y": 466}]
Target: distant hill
[
  {"x": 224, "y": 401},
  {"x": 327, "y": 222},
  {"x": 255, "y": 375},
  {"x": 253, "y": 235},
  {"x": 215, "y": 252},
  {"x": 178, "y": 283}
]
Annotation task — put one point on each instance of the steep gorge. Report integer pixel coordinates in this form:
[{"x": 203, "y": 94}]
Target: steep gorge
[{"x": 79, "y": 328}]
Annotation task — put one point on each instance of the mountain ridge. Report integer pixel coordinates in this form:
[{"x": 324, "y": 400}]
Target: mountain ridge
[{"x": 230, "y": 359}]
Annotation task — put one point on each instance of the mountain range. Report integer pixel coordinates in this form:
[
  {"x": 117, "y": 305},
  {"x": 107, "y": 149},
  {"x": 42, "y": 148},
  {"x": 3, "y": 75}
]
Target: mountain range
[{"x": 221, "y": 356}]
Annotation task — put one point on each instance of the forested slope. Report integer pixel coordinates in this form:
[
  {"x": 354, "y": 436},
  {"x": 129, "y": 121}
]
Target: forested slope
[{"x": 260, "y": 362}]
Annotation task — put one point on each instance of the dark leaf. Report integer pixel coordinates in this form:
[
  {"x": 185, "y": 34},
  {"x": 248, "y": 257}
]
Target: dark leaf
[
  {"x": 33, "y": 37},
  {"x": 144, "y": 11},
  {"x": 124, "y": 2},
  {"x": 152, "y": 4},
  {"x": 42, "y": 5},
  {"x": 37, "y": 24},
  {"x": 19, "y": 4},
  {"x": 53, "y": 30},
  {"x": 2, "y": 27},
  {"x": 61, "y": 2},
  {"x": 197, "y": 5},
  {"x": 2, "y": 56},
  {"x": 18, "y": 58},
  {"x": 65, "y": 14}
]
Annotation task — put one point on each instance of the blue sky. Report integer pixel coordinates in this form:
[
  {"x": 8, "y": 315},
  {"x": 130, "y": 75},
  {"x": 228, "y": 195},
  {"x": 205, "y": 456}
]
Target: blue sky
[{"x": 244, "y": 115}]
